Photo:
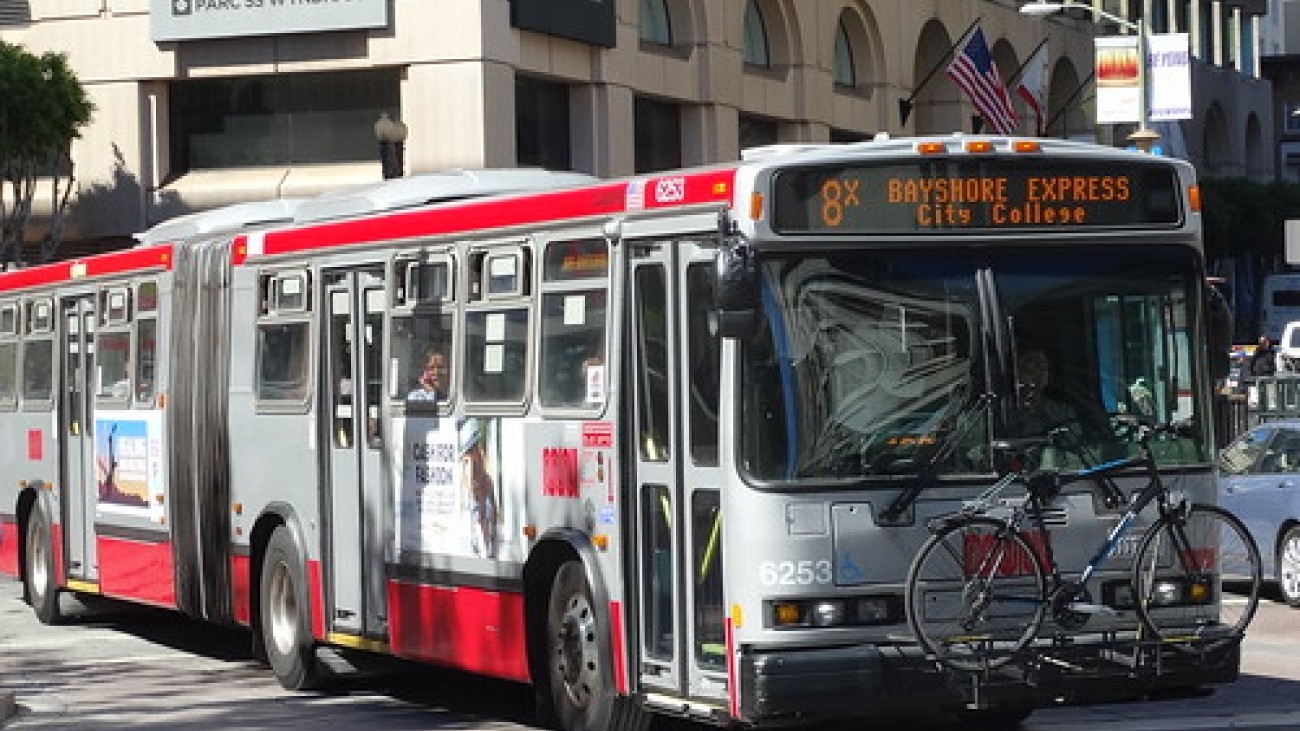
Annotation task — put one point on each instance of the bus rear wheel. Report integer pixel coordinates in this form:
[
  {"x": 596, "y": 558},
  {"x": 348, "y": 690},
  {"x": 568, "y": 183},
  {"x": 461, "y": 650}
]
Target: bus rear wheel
[
  {"x": 285, "y": 614},
  {"x": 40, "y": 576},
  {"x": 579, "y": 662}
]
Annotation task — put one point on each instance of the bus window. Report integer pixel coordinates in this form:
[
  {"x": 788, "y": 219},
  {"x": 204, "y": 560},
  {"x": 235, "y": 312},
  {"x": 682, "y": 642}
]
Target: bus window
[
  {"x": 573, "y": 358},
  {"x": 8, "y": 374},
  {"x": 417, "y": 336},
  {"x": 283, "y": 361},
  {"x": 573, "y": 348},
  {"x": 703, "y": 358},
  {"x": 112, "y": 359},
  {"x": 146, "y": 342},
  {"x": 38, "y": 369},
  {"x": 652, "y": 382},
  {"x": 496, "y": 354}
]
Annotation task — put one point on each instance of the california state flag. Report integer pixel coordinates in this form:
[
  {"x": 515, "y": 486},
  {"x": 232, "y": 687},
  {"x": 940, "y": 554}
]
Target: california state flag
[{"x": 1032, "y": 87}]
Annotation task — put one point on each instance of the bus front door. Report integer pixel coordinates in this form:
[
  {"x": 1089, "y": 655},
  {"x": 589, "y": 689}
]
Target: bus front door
[
  {"x": 75, "y": 391},
  {"x": 353, "y": 506},
  {"x": 677, "y": 478}
]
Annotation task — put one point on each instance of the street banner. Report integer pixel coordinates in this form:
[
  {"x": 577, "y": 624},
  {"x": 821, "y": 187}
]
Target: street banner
[
  {"x": 1118, "y": 96},
  {"x": 1170, "y": 83}
]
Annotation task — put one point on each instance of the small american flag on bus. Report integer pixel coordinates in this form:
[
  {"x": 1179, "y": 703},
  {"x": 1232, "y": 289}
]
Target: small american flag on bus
[{"x": 976, "y": 73}]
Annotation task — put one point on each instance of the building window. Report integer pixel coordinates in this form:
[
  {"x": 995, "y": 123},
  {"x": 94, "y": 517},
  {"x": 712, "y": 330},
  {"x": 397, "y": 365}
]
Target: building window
[
  {"x": 658, "y": 135},
  {"x": 756, "y": 50},
  {"x": 656, "y": 25},
  {"x": 1291, "y": 117},
  {"x": 542, "y": 124},
  {"x": 279, "y": 119},
  {"x": 757, "y": 131},
  {"x": 843, "y": 71}
]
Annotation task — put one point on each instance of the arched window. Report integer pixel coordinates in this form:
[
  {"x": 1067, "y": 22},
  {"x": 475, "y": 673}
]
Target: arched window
[
  {"x": 843, "y": 69},
  {"x": 756, "y": 51},
  {"x": 656, "y": 25}
]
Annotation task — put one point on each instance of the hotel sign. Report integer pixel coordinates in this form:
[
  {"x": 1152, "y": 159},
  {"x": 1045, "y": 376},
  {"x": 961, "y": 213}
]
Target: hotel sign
[{"x": 177, "y": 20}]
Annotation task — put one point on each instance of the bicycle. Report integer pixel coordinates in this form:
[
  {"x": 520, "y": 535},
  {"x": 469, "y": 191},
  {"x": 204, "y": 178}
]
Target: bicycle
[{"x": 980, "y": 589}]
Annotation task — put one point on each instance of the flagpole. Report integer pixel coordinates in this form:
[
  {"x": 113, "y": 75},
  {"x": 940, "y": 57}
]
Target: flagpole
[
  {"x": 905, "y": 105},
  {"x": 1070, "y": 101},
  {"x": 1015, "y": 75}
]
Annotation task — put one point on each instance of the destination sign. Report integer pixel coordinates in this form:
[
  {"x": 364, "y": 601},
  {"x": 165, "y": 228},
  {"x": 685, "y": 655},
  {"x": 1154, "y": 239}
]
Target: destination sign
[{"x": 985, "y": 193}]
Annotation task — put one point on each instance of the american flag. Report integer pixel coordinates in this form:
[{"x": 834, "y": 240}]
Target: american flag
[{"x": 975, "y": 72}]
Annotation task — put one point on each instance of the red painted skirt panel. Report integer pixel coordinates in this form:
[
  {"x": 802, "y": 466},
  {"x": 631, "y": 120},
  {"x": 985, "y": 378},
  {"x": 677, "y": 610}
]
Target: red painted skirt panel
[
  {"x": 472, "y": 629},
  {"x": 137, "y": 570},
  {"x": 9, "y": 546}
]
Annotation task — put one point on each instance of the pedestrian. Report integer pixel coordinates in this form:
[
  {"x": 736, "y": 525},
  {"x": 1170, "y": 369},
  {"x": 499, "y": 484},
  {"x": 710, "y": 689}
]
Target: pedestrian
[{"x": 1263, "y": 362}]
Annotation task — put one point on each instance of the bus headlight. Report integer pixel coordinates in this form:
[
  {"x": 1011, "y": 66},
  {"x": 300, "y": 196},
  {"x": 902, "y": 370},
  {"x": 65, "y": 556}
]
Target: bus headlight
[
  {"x": 1166, "y": 593},
  {"x": 827, "y": 614}
]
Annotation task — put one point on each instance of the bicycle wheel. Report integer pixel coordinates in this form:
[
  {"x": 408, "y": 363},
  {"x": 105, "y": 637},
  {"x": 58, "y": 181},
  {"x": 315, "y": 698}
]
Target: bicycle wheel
[
  {"x": 976, "y": 595},
  {"x": 1182, "y": 563}
]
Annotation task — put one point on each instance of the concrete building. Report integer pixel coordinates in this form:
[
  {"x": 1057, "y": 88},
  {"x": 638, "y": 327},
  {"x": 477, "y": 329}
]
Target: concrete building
[{"x": 202, "y": 103}]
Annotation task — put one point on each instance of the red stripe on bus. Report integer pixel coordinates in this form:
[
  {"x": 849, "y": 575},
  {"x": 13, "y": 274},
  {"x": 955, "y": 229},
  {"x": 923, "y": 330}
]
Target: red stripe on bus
[
  {"x": 56, "y": 537},
  {"x": 317, "y": 589},
  {"x": 617, "y": 646},
  {"x": 733, "y": 678},
  {"x": 596, "y": 200},
  {"x": 113, "y": 262},
  {"x": 8, "y": 546},
  {"x": 137, "y": 570},
  {"x": 472, "y": 629},
  {"x": 241, "y": 590}
]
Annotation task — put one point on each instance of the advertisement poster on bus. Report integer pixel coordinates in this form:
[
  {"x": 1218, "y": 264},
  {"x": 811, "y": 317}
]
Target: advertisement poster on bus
[
  {"x": 453, "y": 487},
  {"x": 128, "y": 465}
]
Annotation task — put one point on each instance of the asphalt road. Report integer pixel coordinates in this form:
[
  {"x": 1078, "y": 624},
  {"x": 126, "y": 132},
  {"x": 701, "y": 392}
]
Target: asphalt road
[{"x": 147, "y": 670}]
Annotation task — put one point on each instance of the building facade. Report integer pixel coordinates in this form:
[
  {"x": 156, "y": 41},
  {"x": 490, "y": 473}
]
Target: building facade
[{"x": 201, "y": 103}]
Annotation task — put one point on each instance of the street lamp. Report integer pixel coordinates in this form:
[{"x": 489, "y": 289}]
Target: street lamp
[
  {"x": 1145, "y": 137},
  {"x": 391, "y": 136}
]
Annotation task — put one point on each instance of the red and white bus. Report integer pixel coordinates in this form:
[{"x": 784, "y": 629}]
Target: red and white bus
[{"x": 679, "y": 438}]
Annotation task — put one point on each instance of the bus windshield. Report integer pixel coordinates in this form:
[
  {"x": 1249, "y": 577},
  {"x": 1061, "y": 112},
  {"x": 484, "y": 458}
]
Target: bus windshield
[{"x": 896, "y": 363}]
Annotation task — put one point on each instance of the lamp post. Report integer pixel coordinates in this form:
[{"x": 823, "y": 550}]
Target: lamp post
[
  {"x": 391, "y": 136},
  {"x": 1145, "y": 137}
]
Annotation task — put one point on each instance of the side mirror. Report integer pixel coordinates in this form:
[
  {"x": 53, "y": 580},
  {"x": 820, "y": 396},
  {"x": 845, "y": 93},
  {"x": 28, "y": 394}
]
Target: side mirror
[
  {"x": 1218, "y": 318},
  {"x": 735, "y": 271}
]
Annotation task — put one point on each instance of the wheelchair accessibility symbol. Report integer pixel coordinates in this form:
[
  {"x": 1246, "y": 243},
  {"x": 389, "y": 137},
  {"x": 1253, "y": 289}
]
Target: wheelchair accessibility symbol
[{"x": 848, "y": 572}]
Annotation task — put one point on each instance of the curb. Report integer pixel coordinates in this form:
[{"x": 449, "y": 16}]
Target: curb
[{"x": 7, "y": 706}]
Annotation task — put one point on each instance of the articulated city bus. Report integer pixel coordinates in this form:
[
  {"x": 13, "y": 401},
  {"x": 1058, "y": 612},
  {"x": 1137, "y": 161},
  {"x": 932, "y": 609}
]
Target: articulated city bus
[{"x": 657, "y": 445}]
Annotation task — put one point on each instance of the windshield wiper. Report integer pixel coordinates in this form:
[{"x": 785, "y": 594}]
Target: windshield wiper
[{"x": 925, "y": 478}]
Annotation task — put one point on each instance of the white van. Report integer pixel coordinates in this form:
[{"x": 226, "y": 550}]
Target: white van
[
  {"x": 1279, "y": 304},
  {"x": 1288, "y": 348}
]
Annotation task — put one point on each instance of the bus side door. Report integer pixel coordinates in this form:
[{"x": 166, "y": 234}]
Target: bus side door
[
  {"x": 76, "y": 423},
  {"x": 678, "y": 548},
  {"x": 353, "y": 503}
]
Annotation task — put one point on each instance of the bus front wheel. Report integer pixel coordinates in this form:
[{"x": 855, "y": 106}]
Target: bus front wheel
[
  {"x": 285, "y": 614},
  {"x": 40, "y": 576},
  {"x": 579, "y": 663}
]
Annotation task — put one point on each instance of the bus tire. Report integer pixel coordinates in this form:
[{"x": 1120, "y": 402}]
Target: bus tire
[
  {"x": 40, "y": 577},
  {"x": 286, "y": 614},
  {"x": 579, "y": 661}
]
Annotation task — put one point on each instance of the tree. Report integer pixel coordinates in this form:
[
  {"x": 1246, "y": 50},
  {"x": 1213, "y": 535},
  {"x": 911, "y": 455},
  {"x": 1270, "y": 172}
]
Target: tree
[{"x": 42, "y": 110}]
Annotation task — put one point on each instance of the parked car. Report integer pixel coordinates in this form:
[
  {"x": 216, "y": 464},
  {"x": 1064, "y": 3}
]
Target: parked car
[{"x": 1259, "y": 481}]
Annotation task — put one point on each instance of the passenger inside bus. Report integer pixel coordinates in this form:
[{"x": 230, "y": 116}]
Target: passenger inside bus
[{"x": 433, "y": 380}]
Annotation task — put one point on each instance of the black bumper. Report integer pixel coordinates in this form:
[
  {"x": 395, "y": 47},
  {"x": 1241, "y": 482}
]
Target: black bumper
[{"x": 789, "y": 686}]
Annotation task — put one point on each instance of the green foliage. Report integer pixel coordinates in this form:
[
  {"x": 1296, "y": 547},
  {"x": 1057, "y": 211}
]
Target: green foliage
[
  {"x": 1245, "y": 217},
  {"x": 42, "y": 110}
]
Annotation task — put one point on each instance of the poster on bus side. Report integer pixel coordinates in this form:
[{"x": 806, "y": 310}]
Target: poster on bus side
[
  {"x": 129, "y": 465},
  {"x": 453, "y": 487}
]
